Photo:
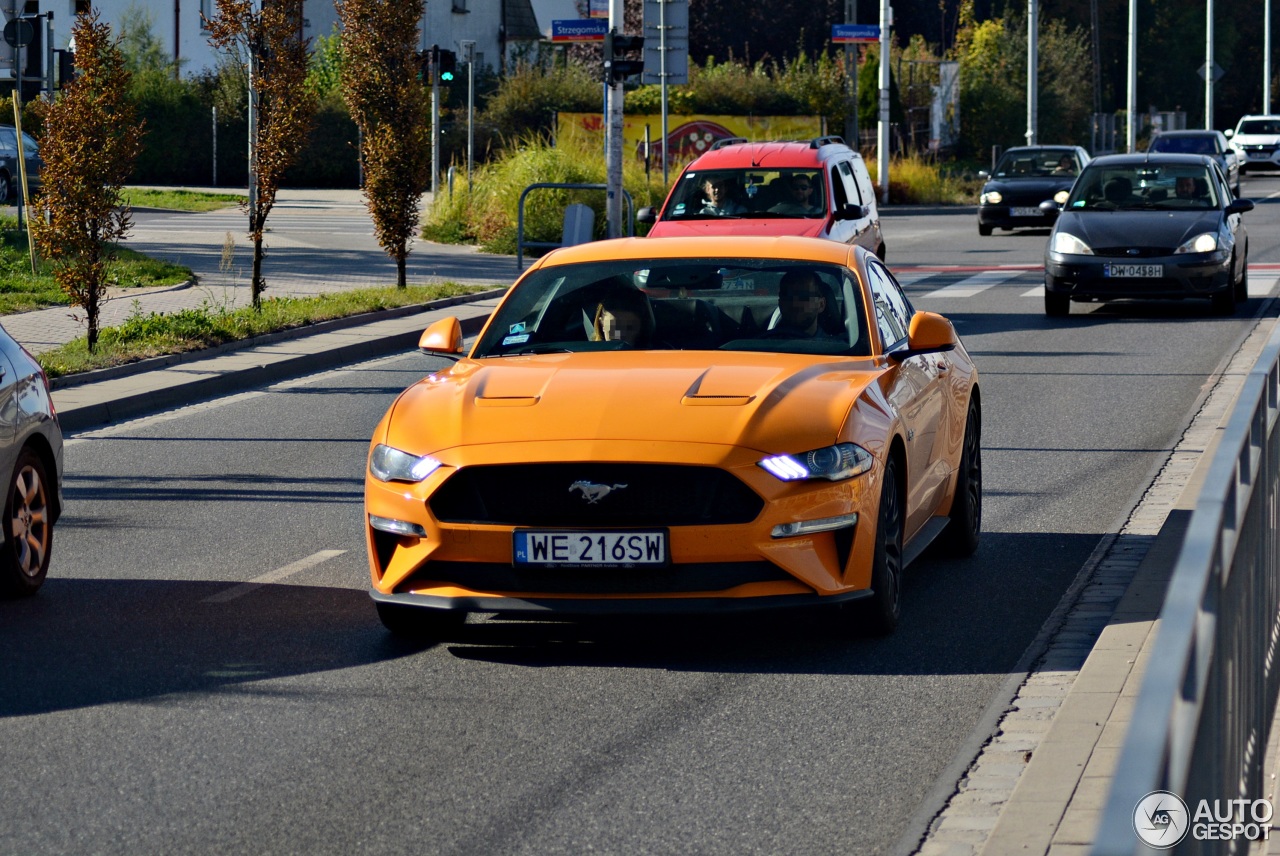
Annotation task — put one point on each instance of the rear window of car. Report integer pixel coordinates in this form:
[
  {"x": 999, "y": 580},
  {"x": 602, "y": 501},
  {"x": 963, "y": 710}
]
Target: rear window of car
[
  {"x": 679, "y": 304},
  {"x": 1188, "y": 145}
]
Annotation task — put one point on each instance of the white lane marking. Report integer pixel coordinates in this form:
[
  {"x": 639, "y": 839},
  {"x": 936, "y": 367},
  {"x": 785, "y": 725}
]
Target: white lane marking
[
  {"x": 969, "y": 286},
  {"x": 1033, "y": 292},
  {"x": 1262, "y": 285},
  {"x": 272, "y": 576}
]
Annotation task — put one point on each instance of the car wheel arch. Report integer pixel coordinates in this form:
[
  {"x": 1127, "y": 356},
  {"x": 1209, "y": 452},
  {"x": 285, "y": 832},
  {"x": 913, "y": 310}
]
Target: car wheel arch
[{"x": 39, "y": 445}]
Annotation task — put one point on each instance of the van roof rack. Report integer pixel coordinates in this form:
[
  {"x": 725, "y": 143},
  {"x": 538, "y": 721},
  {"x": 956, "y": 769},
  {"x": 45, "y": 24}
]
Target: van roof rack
[
  {"x": 728, "y": 141},
  {"x": 831, "y": 140}
]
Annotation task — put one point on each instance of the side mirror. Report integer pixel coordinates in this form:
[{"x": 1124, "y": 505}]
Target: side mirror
[
  {"x": 930, "y": 333},
  {"x": 1049, "y": 207},
  {"x": 1240, "y": 206},
  {"x": 982, "y": 173},
  {"x": 442, "y": 337},
  {"x": 646, "y": 215},
  {"x": 1229, "y": 132},
  {"x": 850, "y": 211}
]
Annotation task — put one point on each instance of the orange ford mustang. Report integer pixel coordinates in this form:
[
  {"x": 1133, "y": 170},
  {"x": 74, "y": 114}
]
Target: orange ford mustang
[{"x": 685, "y": 425}]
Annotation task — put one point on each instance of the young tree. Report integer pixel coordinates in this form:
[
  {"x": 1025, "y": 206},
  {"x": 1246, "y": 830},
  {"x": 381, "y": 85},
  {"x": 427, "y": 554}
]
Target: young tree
[
  {"x": 390, "y": 106},
  {"x": 91, "y": 139},
  {"x": 268, "y": 34}
]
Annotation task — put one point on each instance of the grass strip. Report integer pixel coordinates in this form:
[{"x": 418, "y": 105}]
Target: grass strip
[
  {"x": 154, "y": 334},
  {"x": 180, "y": 200}
]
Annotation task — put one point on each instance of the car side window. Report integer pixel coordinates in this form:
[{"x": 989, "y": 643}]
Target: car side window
[
  {"x": 850, "y": 186},
  {"x": 893, "y": 311},
  {"x": 840, "y": 197}
]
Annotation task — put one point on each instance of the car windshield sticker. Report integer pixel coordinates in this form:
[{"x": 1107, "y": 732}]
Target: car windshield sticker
[
  {"x": 517, "y": 327},
  {"x": 516, "y": 340}
]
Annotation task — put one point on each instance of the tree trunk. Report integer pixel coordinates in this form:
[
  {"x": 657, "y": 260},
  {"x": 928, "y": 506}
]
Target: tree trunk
[
  {"x": 91, "y": 318},
  {"x": 400, "y": 269},
  {"x": 258, "y": 285}
]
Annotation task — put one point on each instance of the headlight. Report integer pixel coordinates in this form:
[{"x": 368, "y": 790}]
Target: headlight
[
  {"x": 1065, "y": 242},
  {"x": 1061, "y": 197},
  {"x": 991, "y": 197},
  {"x": 1206, "y": 243},
  {"x": 388, "y": 464},
  {"x": 841, "y": 461}
]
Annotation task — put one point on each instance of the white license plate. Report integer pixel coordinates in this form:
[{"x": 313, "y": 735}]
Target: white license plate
[
  {"x": 593, "y": 549},
  {"x": 1025, "y": 212},
  {"x": 1144, "y": 271}
]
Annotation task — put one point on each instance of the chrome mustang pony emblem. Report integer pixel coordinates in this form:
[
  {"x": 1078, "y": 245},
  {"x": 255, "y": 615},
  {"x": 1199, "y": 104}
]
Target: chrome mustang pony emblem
[{"x": 593, "y": 492}]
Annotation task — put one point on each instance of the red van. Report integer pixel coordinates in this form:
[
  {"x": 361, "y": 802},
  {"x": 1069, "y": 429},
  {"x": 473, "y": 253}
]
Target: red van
[{"x": 816, "y": 188}]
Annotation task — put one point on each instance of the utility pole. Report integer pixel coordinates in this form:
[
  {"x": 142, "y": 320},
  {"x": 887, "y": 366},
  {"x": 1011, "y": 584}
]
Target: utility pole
[
  {"x": 882, "y": 144},
  {"x": 1033, "y": 69},
  {"x": 1131, "y": 99},
  {"x": 613, "y": 127},
  {"x": 435, "y": 117}
]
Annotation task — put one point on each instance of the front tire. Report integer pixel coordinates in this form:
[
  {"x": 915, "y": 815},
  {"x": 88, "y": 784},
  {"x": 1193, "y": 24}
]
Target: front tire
[
  {"x": 1056, "y": 305},
  {"x": 28, "y": 527},
  {"x": 1242, "y": 285},
  {"x": 884, "y": 608},
  {"x": 960, "y": 538},
  {"x": 984, "y": 231}
]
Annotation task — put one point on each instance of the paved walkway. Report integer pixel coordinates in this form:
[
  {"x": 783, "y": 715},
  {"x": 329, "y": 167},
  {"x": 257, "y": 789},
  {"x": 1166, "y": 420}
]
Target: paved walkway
[{"x": 304, "y": 261}]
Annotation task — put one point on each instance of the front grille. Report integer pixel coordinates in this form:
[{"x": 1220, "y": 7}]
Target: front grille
[
  {"x": 493, "y": 577},
  {"x": 636, "y": 495},
  {"x": 1120, "y": 255}
]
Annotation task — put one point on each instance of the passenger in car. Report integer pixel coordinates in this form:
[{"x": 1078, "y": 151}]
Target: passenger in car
[
  {"x": 802, "y": 307},
  {"x": 799, "y": 199},
  {"x": 721, "y": 197},
  {"x": 624, "y": 315}
]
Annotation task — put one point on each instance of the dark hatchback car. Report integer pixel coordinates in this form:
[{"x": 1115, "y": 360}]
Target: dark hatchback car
[
  {"x": 1024, "y": 177},
  {"x": 10, "y": 173},
  {"x": 1148, "y": 226},
  {"x": 1198, "y": 142}
]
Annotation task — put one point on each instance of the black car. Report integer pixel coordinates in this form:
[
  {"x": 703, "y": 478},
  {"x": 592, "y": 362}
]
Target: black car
[
  {"x": 1024, "y": 177},
  {"x": 1198, "y": 142},
  {"x": 10, "y": 173},
  {"x": 1148, "y": 225}
]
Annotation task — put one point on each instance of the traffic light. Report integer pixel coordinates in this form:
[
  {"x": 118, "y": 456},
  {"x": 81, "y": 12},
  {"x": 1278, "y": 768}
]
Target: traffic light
[
  {"x": 617, "y": 70},
  {"x": 447, "y": 65},
  {"x": 66, "y": 67}
]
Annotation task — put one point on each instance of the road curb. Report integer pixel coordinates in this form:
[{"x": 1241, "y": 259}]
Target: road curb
[
  {"x": 177, "y": 383},
  {"x": 154, "y": 363}
]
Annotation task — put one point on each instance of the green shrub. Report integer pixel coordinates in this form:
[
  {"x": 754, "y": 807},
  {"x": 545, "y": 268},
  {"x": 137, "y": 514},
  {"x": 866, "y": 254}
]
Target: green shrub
[{"x": 488, "y": 214}]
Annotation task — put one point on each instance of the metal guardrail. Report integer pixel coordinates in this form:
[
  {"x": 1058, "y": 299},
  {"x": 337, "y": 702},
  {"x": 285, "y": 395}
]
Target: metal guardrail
[
  {"x": 521, "y": 243},
  {"x": 1208, "y": 695}
]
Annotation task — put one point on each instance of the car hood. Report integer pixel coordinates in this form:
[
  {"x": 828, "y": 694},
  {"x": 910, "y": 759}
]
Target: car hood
[
  {"x": 1138, "y": 228},
  {"x": 1042, "y": 186},
  {"x": 766, "y": 402},
  {"x": 1255, "y": 139},
  {"x": 744, "y": 226}
]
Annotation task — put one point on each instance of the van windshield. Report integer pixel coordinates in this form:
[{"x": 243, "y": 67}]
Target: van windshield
[{"x": 755, "y": 193}]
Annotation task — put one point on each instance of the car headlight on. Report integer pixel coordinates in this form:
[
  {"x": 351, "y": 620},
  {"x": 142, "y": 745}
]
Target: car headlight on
[
  {"x": 1065, "y": 242},
  {"x": 1205, "y": 243},
  {"x": 834, "y": 463},
  {"x": 388, "y": 464},
  {"x": 991, "y": 197},
  {"x": 1061, "y": 197}
]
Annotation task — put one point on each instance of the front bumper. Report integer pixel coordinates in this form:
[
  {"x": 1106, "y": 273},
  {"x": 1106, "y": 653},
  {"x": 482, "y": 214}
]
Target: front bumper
[
  {"x": 1002, "y": 216},
  {"x": 468, "y": 566},
  {"x": 1188, "y": 275}
]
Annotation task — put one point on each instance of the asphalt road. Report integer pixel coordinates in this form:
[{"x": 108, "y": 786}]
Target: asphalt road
[{"x": 152, "y": 702}]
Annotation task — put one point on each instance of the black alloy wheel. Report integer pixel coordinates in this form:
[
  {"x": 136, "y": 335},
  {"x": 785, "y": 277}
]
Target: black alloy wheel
[
  {"x": 884, "y": 608},
  {"x": 964, "y": 529}
]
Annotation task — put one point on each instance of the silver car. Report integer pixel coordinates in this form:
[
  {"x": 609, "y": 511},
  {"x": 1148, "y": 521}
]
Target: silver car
[{"x": 31, "y": 466}]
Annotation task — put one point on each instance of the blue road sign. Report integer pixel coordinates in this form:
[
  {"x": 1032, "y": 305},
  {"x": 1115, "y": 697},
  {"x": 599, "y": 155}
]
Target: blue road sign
[
  {"x": 849, "y": 34},
  {"x": 579, "y": 30}
]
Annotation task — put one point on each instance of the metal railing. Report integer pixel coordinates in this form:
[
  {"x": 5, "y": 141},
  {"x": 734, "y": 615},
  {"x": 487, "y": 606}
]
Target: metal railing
[
  {"x": 521, "y": 243},
  {"x": 1208, "y": 694}
]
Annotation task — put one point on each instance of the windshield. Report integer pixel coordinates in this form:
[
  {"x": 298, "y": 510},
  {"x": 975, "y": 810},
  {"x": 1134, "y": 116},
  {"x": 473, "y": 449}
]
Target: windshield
[
  {"x": 681, "y": 304},
  {"x": 1186, "y": 145},
  {"x": 1259, "y": 126},
  {"x": 773, "y": 193},
  {"x": 1034, "y": 163},
  {"x": 1163, "y": 186}
]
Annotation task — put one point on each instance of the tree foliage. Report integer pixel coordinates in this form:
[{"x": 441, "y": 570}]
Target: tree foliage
[
  {"x": 91, "y": 138},
  {"x": 993, "y": 82},
  {"x": 271, "y": 42},
  {"x": 389, "y": 104}
]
